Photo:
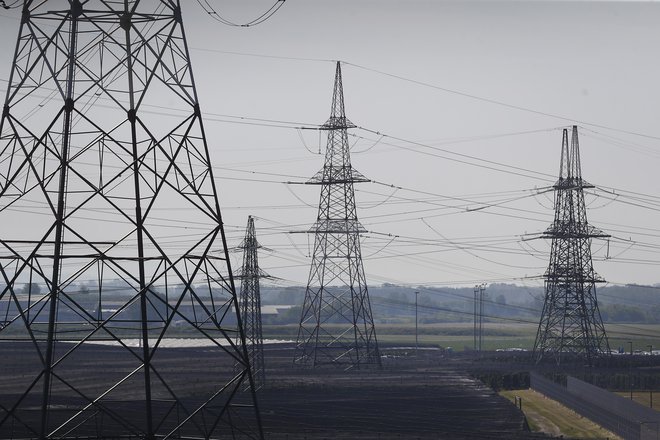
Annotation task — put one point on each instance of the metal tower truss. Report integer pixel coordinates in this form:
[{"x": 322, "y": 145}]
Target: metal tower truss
[
  {"x": 336, "y": 324},
  {"x": 571, "y": 324},
  {"x": 110, "y": 224},
  {"x": 250, "y": 304}
]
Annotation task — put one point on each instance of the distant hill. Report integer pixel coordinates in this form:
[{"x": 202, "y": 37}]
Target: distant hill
[{"x": 393, "y": 303}]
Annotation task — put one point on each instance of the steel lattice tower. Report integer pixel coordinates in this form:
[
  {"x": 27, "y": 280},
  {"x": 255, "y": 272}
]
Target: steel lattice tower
[
  {"x": 103, "y": 160},
  {"x": 570, "y": 322},
  {"x": 336, "y": 324},
  {"x": 250, "y": 304}
]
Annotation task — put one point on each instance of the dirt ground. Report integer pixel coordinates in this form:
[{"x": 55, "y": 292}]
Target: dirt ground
[
  {"x": 424, "y": 396},
  {"x": 412, "y": 397}
]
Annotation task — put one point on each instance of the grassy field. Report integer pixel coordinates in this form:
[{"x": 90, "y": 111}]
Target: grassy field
[
  {"x": 456, "y": 335},
  {"x": 641, "y": 335},
  {"x": 459, "y": 335},
  {"x": 643, "y": 398},
  {"x": 551, "y": 417}
]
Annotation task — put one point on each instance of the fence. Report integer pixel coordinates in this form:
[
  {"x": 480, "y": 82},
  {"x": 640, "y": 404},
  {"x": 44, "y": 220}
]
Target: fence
[{"x": 623, "y": 417}]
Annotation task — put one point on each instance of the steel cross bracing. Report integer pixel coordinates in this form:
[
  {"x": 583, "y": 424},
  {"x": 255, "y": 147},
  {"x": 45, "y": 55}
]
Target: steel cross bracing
[
  {"x": 336, "y": 324},
  {"x": 571, "y": 324},
  {"x": 111, "y": 234},
  {"x": 250, "y": 304}
]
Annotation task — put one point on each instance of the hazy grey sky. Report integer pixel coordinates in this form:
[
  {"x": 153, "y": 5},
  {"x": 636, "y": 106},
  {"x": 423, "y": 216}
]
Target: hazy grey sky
[{"x": 590, "y": 63}]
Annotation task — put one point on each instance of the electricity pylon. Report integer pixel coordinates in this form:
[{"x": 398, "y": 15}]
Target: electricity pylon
[
  {"x": 250, "y": 304},
  {"x": 97, "y": 184},
  {"x": 571, "y": 324},
  {"x": 336, "y": 324}
]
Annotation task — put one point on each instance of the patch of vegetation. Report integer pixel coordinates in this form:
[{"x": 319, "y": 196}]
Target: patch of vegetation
[
  {"x": 551, "y": 417},
  {"x": 505, "y": 381}
]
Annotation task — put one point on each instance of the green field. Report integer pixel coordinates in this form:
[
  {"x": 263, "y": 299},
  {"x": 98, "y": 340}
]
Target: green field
[
  {"x": 551, "y": 417},
  {"x": 460, "y": 336},
  {"x": 646, "y": 398},
  {"x": 642, "y": 335}
]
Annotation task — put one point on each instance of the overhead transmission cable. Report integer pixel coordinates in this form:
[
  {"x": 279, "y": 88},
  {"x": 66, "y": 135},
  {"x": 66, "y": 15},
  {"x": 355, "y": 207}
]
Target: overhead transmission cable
[
  {"x": 462, "y": 158},
  {"x": 13, "y": 5},
  {"x": 274, "y": 123},
  {"x": 213, "y": 13},
  {"x": 497, "y": 102},
  {"x": 436, "y": 87}
]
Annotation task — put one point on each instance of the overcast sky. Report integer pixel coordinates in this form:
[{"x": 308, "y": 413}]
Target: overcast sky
[{"x": 472, "y": 97}]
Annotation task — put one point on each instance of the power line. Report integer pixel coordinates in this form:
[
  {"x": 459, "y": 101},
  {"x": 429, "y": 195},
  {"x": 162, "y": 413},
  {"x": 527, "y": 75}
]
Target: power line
[
  {"x": 496, "y": 102},
  {"x": 206, "y": 5},
  {"x": 464, "y": 158},
  {"x": 13, "y": 5},
  {"x": 436, "y": 87},
  {"x": 259, "y": 55}
]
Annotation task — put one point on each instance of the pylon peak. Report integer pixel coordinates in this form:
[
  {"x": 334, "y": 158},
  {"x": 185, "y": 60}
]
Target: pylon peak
[{"x": 338, "y": 119}]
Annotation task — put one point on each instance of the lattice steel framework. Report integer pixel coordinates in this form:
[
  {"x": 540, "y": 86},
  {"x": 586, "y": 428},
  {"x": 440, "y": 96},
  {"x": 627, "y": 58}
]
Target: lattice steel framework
[
  {"x": 336, "y": 324},
  {"x": 571, "y": 324},
  {"x": 110, "y": 220},
  {"x": 250, "y": 303}
]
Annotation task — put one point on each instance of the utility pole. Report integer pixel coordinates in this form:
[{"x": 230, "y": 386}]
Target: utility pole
[
  {"x": 476, "y": 319},
  {"x": 81, "y": 146},
  {"x": 336, "y": 323},
  {"x": 630, "y": 377},
  {"x": 570, "y": 321},
  {"x": 651, "y": 388},
  {"x": 482, "y": 293},
  {"x": 479, "y": 292},
  {"x": 416, "y": 332}
]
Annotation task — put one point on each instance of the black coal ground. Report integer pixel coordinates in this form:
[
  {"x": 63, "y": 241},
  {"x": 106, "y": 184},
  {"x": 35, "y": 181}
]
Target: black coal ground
[
  {"x": 426, "y": 396},
  {"x": 412, "y": 397}
]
